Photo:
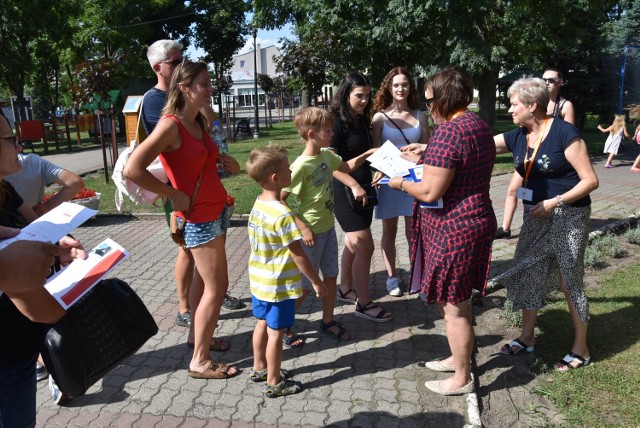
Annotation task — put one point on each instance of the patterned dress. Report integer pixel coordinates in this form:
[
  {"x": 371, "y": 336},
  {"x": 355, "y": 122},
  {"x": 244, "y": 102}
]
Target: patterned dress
[{"x": 451, "y": 249}]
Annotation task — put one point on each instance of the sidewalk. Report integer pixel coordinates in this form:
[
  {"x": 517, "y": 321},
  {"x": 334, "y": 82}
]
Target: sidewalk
[{"x": 370, "y": 381}]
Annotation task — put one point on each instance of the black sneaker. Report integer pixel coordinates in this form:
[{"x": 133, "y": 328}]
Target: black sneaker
[
  {"x": 232, "y": 302},
  {"x": 183, "y": 320},
  {"x": 503, "y": 234}
]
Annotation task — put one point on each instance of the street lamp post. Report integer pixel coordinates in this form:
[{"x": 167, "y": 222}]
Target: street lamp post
[{"x": 256, "y": 132}]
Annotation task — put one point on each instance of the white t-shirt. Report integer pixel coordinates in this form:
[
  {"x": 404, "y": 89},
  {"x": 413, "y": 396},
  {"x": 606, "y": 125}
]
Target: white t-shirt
[{"x": 36, "y": 175}]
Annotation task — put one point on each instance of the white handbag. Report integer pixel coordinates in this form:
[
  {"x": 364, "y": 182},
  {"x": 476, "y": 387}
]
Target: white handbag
[{"x": 126, "y": 187}]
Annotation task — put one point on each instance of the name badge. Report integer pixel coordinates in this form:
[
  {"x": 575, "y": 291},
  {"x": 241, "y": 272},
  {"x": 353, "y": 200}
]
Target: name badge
[{"x": 525, "y": 194}]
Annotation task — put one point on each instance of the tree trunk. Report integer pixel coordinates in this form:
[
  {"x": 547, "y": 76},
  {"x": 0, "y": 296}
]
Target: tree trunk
[{"x": 487, "y": 94}]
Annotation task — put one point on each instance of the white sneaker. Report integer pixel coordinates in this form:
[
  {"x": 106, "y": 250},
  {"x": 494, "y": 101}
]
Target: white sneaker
[
  {"x": 393, "y": 287},
  {"x": 57, "y": 396}
]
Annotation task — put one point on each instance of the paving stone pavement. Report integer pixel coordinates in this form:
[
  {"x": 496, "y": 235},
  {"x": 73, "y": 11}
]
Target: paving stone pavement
[{"x": 369, "y": 381}]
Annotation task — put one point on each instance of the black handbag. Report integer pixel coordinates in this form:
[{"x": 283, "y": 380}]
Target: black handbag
[
  {"x": 356, "y": 205},
  {"x": 98, "y": 332}
]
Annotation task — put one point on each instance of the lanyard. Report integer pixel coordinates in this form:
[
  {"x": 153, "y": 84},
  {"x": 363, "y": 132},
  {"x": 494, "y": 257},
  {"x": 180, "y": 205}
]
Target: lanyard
[
  {"x": 458, "y": 113},
  {"x": 529, "y": 164}
]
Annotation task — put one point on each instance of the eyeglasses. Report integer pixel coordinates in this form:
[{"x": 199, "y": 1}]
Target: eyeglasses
[
  {"x": 552, "y": 80},
  {"x": 429, "y": 102},
  {"x": 174, "y": 63},
  {"x": 13, "y": 140}
]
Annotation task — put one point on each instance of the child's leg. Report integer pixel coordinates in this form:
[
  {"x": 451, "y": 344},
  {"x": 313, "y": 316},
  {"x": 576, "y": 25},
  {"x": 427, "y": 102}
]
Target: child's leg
[
  {"x": 329, "y": 300},
  {"x": 636, "y": 163},
  {"x": 610, "y": 158},
  {"x": 260, "y": 337},
  {"x": 274, "y": 355},
  {"x": 300, "y": 300}
]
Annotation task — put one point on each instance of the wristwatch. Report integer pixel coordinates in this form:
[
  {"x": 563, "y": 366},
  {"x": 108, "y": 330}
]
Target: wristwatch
[{"x": 560, "y": 201}]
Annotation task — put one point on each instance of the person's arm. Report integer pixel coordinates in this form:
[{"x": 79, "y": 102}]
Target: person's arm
[
  {"x": 635, "y": 134},
  {"x": 578, "y": 156},
  {"x": 71, "y": 184},
  {"x": 38, "y": 305},
  {"x": 166, "y": 137},
  {"x": 355, "y": 163},
  {"x": 359, "y": 193},
  {"x": 307, "y": 234},
  {"x": 24, "y": 265},
  {"x": 568, "y": 112},
  {"x": 305, "y": 266},
  {"x": 435, "y": 183},
  {"x": 425, "y": 132},
  {"x": 604, "y": 130},
  {"x": 501, "y": 144},
  {"x": 376, "y": 129},
  {"x": 626, "y": 133}
]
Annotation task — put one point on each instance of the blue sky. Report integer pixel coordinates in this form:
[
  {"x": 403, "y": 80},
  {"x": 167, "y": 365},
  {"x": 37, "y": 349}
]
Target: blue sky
[{"x": 264, "y": 38}]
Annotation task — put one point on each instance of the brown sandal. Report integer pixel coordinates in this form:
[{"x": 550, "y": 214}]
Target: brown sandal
[
  {"x": 217, "y": 344},
  {"x": 214, "y": 371}
]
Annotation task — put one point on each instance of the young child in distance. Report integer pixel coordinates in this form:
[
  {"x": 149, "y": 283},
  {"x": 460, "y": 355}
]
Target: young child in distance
[
  {"x": 617, "y": 131},
  {"x": 636, "y": 163},
  {"x": 311, "y": 175},
  {"x": 274, "y": 268}
]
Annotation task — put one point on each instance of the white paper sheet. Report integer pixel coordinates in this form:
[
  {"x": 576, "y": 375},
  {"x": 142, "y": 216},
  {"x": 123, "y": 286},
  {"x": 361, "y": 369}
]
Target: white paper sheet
[
  {"x": 53, "y": 225},
  {"x": 388, "y": 160},
  {"x": 80, "y": 276}
]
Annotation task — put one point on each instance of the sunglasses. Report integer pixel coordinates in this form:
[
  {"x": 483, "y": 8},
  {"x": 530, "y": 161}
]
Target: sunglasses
[
  {"x": 176, "y": 62},
  {"x": 13, "y": 140},
  {"x": 429, "y": 102},
  {"x": 551, "y": 80}
]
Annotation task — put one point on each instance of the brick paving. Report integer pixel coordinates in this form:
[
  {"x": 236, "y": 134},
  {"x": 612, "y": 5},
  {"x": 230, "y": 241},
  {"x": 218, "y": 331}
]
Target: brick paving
[{"x": 369, "y": 381}]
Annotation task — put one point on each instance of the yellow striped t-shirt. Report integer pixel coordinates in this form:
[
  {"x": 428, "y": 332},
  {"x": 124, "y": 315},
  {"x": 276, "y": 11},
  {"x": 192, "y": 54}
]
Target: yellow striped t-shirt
[{"x": 273, "y": 275}]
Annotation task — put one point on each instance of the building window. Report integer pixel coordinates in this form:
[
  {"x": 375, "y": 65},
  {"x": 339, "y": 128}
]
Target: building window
[
  {"x": 246, "y": 97},
  {"x": 241, "y": 63}
]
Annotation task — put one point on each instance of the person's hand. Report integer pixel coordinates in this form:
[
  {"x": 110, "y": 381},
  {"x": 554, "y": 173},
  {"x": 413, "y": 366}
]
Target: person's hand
[
  {"x": 70, "y": 250},
  {"x": 229, "y": 163},
  {"x": 308, "y": 237},
  {"x": 377, "y": 176},
  {"x": 180, "y": 202},
  {"x": 396, "y": 182},
  {"x": 359, "y": 194},
  {"x": 415, "y": 148},
  {"x": 320, "y": 288},
  {"x": 544, "y": 208},
  {"x": 8, "y": 232},
  {"x": 26, "y": 264},
  {"x": 371, "y": 151}
]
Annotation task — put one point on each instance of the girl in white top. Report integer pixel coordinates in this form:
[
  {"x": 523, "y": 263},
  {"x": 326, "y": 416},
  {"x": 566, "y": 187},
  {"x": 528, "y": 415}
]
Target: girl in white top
[
  {"x": 617, "y": 131},
  {"x": 399, "y": 120}
]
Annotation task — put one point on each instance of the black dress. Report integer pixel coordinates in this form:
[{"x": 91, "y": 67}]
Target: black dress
[{"x": 349, "y": 142}]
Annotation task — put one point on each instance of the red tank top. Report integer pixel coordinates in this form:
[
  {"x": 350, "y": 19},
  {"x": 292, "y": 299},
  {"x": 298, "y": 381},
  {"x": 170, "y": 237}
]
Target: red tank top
[{"x": 183, "y": 168}]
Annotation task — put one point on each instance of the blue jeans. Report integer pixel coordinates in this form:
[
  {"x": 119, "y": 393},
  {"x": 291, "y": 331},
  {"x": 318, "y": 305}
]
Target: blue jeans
[{"x": 18, "y": 394}]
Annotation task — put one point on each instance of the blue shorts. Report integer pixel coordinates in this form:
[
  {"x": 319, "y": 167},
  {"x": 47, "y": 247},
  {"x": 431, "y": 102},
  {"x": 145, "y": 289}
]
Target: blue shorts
[
  {"x": 200, "y": 233},
  {"x": 278, "y": 315},
  {"x": 323, "y": 256}
]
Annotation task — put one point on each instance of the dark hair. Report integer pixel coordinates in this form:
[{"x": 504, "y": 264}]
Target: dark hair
[
  {"x": 553, "y": 69},
  {"x": 384, "y": 96},
  {"x": 340, "y": 103},
  {"x": 452, "y": 91}
]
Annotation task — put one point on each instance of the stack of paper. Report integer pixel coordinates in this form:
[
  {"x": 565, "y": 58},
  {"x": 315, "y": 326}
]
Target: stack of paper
[{"x": 388, "y": 159}]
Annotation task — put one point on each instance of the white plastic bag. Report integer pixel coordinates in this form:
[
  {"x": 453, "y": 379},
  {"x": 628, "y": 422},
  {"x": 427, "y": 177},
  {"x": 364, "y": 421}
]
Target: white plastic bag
[{"x": 137, "y": 194}]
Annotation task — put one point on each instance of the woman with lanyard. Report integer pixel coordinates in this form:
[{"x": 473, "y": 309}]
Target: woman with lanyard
[
  {"x": 558, "y": 108},
  {"x": 558, "y": 177},
  {"x": 452, "y": 245}
]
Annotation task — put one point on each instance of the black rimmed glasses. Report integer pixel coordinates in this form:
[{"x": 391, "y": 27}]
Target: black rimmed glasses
[{"x": 552, "y": 80}]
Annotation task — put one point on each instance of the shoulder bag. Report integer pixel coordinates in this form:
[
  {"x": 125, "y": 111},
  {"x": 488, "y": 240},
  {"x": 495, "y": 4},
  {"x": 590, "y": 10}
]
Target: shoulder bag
[
  {"x": 177, "y": 232},
  {"x": 102, "y": 329}
]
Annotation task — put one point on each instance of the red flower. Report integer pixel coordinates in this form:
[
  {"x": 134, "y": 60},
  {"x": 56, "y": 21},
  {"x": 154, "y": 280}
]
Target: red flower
[{"x": 84, "y": 193}]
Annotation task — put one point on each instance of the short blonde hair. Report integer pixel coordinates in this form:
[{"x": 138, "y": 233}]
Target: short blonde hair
[
  {"x": 264, "y": 161},
  {"x": 312, "y": 118},
  {"x": 530, "y": 90}
]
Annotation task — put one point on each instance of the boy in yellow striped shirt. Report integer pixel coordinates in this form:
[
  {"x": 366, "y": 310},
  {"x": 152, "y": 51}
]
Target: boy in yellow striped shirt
[{"x": 275, "y": 263}]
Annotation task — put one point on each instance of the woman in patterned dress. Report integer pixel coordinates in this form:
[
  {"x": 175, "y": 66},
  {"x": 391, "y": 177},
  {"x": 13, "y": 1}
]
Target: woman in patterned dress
[
  {"x": 557, "y": 176},
  {"x": 452, "y": 246}
]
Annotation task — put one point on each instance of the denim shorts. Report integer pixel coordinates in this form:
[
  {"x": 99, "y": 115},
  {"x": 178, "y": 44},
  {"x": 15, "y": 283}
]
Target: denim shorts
[
  {"x": 323, "y": 256},
  {"x": 196, "y": 234},
  {"x": 278, "y": 315}
]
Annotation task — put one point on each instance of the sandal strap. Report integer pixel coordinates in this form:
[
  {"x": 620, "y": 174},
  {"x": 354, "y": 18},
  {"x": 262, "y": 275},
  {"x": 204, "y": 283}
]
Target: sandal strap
[{"x": 571, "y": 357}]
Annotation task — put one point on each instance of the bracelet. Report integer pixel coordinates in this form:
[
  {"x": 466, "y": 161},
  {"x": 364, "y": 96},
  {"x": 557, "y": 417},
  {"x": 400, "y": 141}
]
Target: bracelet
[
  {"x": 560, "y": 201},
  {"x": 402, "y": 188}
]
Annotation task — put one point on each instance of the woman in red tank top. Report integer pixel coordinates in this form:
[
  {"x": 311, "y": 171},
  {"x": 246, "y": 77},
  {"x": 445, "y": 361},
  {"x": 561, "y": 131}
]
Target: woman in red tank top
[{"x": 186, "y": 151}]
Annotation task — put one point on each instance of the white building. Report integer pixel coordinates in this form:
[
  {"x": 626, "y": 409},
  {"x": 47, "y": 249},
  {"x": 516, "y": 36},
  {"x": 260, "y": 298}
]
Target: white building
[{"x": 243, "y": 75}]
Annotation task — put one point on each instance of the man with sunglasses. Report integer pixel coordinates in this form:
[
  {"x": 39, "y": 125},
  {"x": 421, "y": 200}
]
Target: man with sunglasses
[{"x": 164, "y": 57}]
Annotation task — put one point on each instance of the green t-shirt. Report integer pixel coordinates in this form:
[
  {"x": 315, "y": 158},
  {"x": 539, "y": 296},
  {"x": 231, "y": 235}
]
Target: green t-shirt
[{"x": 311, "y": 183}]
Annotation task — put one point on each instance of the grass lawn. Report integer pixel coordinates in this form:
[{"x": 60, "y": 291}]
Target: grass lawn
[
  {"x": 606, "y": 392},
  {"x": 245, "y": 190}
]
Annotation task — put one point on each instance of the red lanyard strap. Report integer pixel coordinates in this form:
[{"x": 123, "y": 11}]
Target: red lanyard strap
[{"x": 528, "y": 164}]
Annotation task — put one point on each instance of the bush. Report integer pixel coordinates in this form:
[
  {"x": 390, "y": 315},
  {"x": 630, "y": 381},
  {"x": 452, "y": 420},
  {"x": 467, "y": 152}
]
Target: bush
[
  {"x": 511, "y": 317},
  {"x": 633, "y": 235},
  {"x": 610, "y": 245}
]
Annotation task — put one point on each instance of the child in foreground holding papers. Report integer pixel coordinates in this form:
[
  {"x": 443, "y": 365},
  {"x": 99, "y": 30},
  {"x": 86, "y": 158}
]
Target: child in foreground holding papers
[
  {"x": 311, "y": 178},
  {"x": 274, "y": 269},
  {"x": 22, "y": 310},
  {"x": 400, "y": 121}
]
